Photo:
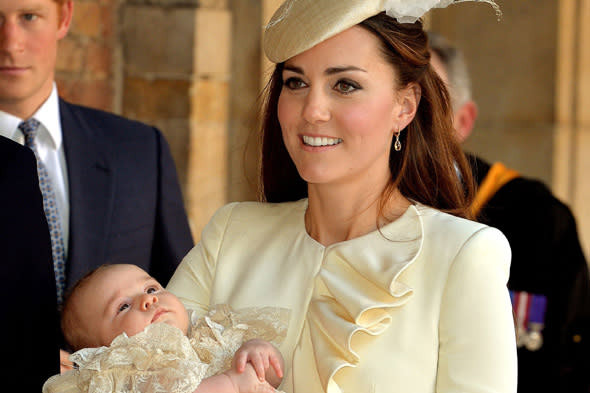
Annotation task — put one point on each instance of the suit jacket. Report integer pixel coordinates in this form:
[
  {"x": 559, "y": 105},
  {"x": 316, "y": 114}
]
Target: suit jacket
[
  {"x": 29, "y": 326},
  {"x": 125, "y": 200},
  {"x": 418, "y": 306},
  {"x": 547, "y": 259}
]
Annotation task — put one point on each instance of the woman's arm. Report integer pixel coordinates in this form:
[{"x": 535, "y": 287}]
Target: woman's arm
[
  {"x": 477, "y": 351},
  {"x": 193, "y": 279}
]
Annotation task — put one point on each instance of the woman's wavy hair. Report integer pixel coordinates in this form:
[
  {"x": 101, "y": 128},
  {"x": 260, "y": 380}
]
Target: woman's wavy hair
[{"x": 430, "y": 169}]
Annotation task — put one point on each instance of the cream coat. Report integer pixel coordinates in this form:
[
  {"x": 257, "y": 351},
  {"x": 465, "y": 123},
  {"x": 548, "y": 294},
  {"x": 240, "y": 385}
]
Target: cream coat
[{"x": 418, "y": 307}]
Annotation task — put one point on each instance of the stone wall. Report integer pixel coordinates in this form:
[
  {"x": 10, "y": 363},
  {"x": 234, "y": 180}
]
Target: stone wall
[
  {"x": 166, "y": 63},
  {"x": 85, "y": 69}
]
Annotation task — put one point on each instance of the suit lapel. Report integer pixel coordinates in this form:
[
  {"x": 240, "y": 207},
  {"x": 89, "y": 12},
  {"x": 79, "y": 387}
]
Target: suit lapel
[{"x": 91, "y": 190}]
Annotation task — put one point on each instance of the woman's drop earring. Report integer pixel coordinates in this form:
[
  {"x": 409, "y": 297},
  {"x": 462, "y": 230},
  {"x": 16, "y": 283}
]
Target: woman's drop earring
[{"x": 397, "y": 145}]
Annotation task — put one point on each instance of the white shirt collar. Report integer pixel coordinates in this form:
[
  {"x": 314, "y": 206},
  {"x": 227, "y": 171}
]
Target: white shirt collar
[{"x": 47, "y": 115}]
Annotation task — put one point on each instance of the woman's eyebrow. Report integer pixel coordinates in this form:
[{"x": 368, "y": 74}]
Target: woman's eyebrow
[
  {"x": 328, "y": 71},
  {"x": 336, "y": 70},
  {"x": 294, "y": 69}
]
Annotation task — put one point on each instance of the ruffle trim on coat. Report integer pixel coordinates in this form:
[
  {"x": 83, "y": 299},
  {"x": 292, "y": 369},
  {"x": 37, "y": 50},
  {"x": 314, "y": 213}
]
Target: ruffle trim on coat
[{"x": 356, "y": 289}]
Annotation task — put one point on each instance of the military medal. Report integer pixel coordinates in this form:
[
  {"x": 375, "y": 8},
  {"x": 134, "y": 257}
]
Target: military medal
[
  {"x": 529, "y": 310},
  {"x": 535, "y": 338},
  {"x": 536, "y": 322}
]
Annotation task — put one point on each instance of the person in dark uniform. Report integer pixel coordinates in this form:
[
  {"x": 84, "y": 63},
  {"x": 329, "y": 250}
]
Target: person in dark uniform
[
  {"x": 30, "y": 323},
  {"x": 549, "y": 281}
]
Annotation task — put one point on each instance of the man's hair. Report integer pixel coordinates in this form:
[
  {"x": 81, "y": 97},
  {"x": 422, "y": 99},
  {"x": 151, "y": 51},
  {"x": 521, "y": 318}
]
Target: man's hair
[{"x": 454, "y": 62}]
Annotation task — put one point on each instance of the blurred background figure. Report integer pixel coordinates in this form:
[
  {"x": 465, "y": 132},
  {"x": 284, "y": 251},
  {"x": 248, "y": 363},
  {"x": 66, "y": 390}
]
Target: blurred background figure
[{"x": 549, "y": 283}]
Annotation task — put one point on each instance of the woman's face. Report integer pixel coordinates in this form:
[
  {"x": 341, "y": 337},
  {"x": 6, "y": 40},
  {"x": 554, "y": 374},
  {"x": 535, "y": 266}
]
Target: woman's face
[{"x": 339, "y": 109}]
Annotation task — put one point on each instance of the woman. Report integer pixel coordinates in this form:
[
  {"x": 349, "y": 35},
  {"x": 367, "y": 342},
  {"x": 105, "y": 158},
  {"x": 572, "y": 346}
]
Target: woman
[{"x": 388, "y": 291}]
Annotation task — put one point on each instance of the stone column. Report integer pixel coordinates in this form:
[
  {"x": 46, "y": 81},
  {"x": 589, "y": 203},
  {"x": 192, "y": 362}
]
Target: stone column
[
  {"x": 245, "y": 90},
  {"x": 250, "y": 71},
  {"x": 572, "y": 100},
  {"x": 268, "y": 9},
  {"x": 209, "y": 102}
]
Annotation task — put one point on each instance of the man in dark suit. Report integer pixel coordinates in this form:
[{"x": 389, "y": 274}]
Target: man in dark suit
[
  {"x": 111, "y": 180},
  {"x": 29, "y": 327},
  {"x": 549, "y": 279}
]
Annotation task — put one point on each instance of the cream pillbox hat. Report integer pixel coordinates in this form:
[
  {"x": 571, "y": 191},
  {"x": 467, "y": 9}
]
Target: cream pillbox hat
[{"x": 299, "y": 25}]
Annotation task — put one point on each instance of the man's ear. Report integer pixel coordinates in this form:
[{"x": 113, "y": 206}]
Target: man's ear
[
  {"x": 464, "y": 120},
  {"x": 409, "y": 98},
  {"x": 65, "y": 14}
]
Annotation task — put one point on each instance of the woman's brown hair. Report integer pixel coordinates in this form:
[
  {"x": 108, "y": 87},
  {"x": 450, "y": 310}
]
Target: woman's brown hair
[{"x": 430, "y": 169}]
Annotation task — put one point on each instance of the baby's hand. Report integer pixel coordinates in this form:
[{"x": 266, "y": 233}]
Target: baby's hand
[
  {"x": 262, "y": 355},
  {"x": 247, "y": 381}
]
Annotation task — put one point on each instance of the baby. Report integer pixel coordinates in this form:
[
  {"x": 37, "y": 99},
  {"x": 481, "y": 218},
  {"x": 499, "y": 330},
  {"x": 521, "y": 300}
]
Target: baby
[{"x": 130, "y": 334}]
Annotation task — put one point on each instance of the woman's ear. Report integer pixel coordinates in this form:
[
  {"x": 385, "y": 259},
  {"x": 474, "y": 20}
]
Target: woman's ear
[{"x": 409, "y": 99}]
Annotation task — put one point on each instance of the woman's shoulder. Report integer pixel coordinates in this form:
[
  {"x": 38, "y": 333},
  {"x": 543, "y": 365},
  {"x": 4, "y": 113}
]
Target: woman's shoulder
[
  {"x": 456, "y": 237},
  {"x": 260, "y": 210},
  {"x": 437, "y": 223},
  {"x": 237, "y": 218},
  {"x": 435, "y": 217}
]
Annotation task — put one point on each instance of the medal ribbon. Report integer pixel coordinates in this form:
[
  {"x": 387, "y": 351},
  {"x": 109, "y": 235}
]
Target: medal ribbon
[{"x": 529, "y": 310}]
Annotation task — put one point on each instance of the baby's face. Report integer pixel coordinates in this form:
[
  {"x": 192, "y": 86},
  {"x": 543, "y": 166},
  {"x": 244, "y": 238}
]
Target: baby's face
[{"x": 124, "y": 298}]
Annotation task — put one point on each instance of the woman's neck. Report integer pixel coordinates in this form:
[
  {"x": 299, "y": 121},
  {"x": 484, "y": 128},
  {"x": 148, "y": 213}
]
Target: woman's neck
[{"x": 339, "y": 213}]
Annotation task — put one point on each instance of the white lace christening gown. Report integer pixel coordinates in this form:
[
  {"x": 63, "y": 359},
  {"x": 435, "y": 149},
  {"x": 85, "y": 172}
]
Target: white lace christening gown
[{"x": 162, "y": 359}]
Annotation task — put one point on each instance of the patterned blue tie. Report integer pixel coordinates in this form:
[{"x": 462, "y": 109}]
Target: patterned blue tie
[{"x": 29, "y": 129}]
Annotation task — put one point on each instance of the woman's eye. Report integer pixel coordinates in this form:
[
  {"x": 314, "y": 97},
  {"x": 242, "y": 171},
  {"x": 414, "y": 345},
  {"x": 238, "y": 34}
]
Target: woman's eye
[
  {"x": 123, "y": 307},
  {"x": 294, "y": 83},
  {"x": 346, "y": 86}
]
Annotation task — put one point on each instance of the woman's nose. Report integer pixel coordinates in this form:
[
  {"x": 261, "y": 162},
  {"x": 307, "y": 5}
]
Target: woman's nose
[
  {"x": 316, "y": 107},
  {"x": 148, "y": 300}
]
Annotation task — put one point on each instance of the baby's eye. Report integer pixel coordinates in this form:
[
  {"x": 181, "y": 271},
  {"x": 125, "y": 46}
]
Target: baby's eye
[
  {"x": 294, "y": 83},
  {"x": 123, "y": 307},
  {"x": 346, "y": 86},
  {"x": 152, "y": 290}
]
